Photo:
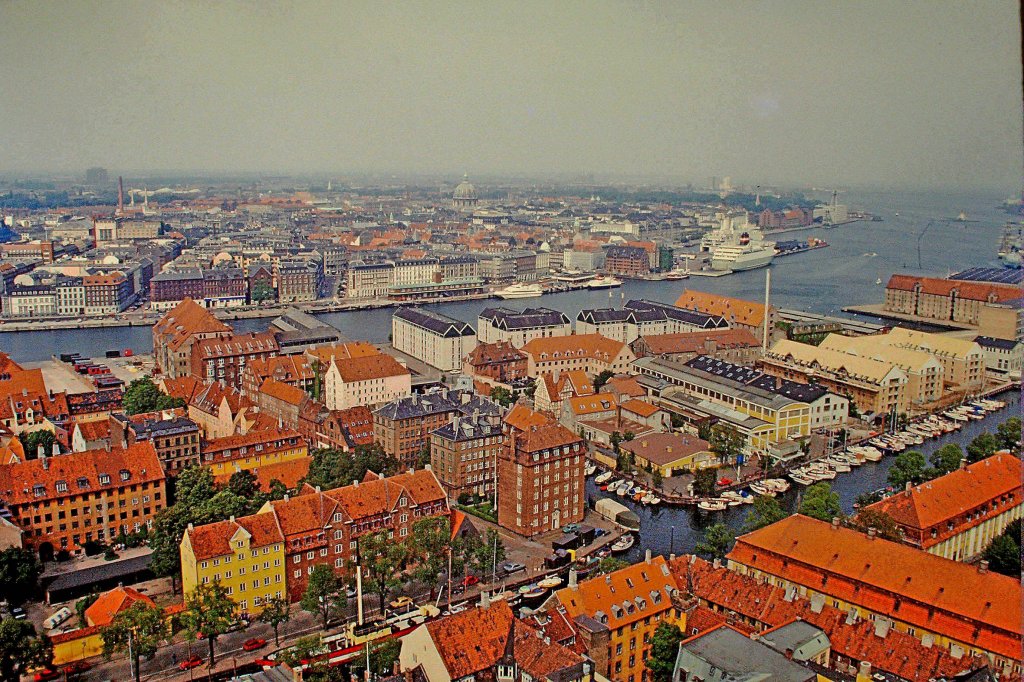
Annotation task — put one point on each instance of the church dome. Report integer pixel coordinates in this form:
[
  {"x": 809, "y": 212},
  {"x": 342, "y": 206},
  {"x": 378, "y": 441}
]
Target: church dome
[{"x": 465, "y": 190}]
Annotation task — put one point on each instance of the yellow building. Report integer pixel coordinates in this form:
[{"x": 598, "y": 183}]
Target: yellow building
[
  {"x": 244, "y": 555},
  {"x": 925, "y": 374},
  {"x": 630, "y": 603},
  {"x": 225, "y": 456}
]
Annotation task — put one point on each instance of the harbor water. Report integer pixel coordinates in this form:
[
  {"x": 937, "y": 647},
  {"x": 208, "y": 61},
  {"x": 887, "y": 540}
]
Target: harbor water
[
  {"x": 666, "y": 530},
  {"x": 821, "y": 281}
]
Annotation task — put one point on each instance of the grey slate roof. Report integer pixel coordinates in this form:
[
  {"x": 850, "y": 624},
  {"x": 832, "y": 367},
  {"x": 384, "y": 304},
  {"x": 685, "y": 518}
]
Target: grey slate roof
[
  {"x": 464, "y": 402},
  {"x": 671, "y": 312},
  {"x": 441, "y": 325},
  {"x": 725, "y": 655},
  {"x": 530, "y": 318},
  {"x": 751, "y": 378}
]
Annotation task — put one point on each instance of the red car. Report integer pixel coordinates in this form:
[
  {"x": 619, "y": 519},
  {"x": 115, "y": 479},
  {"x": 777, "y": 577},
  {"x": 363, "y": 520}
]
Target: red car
[
  {"x": 253, "y": 644},
  {"x": 193, "y": 661},
  {"x": 470, "y": 580},
  {"x": 265, "y": 661},
  {"x": 724, "y": 481},
  {"x": 45, "y": 675},
  {"x": 76, "y": 668}
]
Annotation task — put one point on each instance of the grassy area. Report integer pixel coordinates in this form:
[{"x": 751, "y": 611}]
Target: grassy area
[{"x": 484, "y": 510}]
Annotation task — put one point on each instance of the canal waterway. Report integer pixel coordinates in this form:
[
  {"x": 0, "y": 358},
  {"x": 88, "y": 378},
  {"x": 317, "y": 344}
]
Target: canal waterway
[
  {"x": 666, "y": 530},
  {"x": 821, "y": 281}
]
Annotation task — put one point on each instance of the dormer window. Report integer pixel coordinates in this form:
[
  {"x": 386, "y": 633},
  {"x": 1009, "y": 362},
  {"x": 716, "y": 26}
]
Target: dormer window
[
  {"x": 39, "y": 490},
  {"x": 104, "y": 479},
  {"x": 83, "y": 482},
  {"x": 62, "y": 486},
  {"x": 125, "y": 474}
]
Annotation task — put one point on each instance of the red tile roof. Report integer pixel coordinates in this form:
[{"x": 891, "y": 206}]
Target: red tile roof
[
  {"x": 734, "y": 310},
  {"x": 972, "y": 291},
  {"x": 286, "y": 393},
  {"x": 370, "y": 367},
  {"x": 214, "y": 539},
  {"x": 289, "y": 472},
  {"x": 185, "y": 320},
  {"x": 696, "y": 342},
  {"x": 924, "y": 590},
  {"x": 109, "y": 604}
]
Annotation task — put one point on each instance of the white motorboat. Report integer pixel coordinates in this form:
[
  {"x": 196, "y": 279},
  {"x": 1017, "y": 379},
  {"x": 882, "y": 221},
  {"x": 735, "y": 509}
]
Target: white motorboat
[
  {"x": 712, "y": 505},
  {"x": 520, "y": 290},
  {"x": 603, "y": 478},
  {"x": 800, "y": 478},
  {"x": 840, "y": 466},
  {"x": 759, "y": 488},
  {"x": 589, "y": 470},
  {"x": 777, "y": 484},
  {"x": 623, "y": 544}
]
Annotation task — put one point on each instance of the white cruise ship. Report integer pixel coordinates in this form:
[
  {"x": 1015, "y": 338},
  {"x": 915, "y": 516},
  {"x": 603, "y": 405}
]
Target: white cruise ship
[
  {"x": 738, "y": 247},
  {"x": 519, "y": 291}
]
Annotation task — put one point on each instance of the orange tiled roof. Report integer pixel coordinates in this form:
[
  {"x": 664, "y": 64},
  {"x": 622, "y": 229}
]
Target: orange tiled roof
[
  {"x": 770, "y": 606},
  {"x": 286, "y": 393},
  {"x": 109, "y": 604},
  {"x": 94, "y": 430},
  {"x": 592, "y": 404},
  {"x": 665, "y": 448},
  {"x": 927, "y": 591},
  {"x": 958, "y": 492},
  {"x": 576, "y": 345},
  {"x": 269, "y": 439},
  {"x": 214, "y": 539},
  {"x": 289, "y": 472},
  {"x": 624, "y": 385},
  {"x": 304, "y": 513},
  {"x": 370, "y": 367},
  {"x": 522, "y": 418},
  {"x": 18, "y": 481},
  {"x": 545, "y": 437},
  {"x": 185, "y": 320},
  {"x": 490, "y": 353},
  {"x": 235, "y": 344},
  {"x": 734, "y": 310},
  {"x": 624, "y": 596},
  {"x": 579, "y": 381},
  {"x": 422, "y": 486},
  {"x": 972, "y": 291},
  {"x": 343, "y": 351},
  {"x": 639, "y": 407}
]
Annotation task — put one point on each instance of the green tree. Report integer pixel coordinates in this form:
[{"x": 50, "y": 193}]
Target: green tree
[
  {"x": 244, "y": 484},
  {"x": 210, "y": 611},
  {"x": 165, "y": 540},
  {"x": 704, "y": 483},
  {"x": 382, "y": 655},
  {"x": 946, "y": 459},
  {"x": 628, "y": 436},
  {"x": 483, "y": 554},
  {"x": 82, "y": 604},
  {"x": 657, "y": 478},
  {"x": 331, "y": 468},
  {"x": 664, "y": 650},
  {"x": 909, "y": 467},
  {"x": 1008, "y": 434},
  {"x": 677, "y": 420},
  {"x": 324, "y": 595},
  {"x": 431, "y": 542},
  {"x": 765, "y": 512},
  {"x": 277, "y": 490},
  {"x": 261, "y": 291},
  {"x": 615, "y": 439},
  {"x": 610, "y": 564},
  {"x": 884, "y": 525},
  {"x": 276, "y": 611},
  {"x": 726, "y": 442},
  {"x": 194, "y": 486},
  {"x": 383, "y": 559},
  {"x": 820, "y": 502},
  {"x": 225, "y": 504},
  {"x": 1003, "y": 556},
  {"x": 32, "y": 440},
  {"x": 136, "y": 632},
  {"x": 21, "y": 649},
  {"x": 716, "y": 542},
  {"x": 502, "y": 396},
  {"x": 19, "y": 575},
  {"x": 142, "y": 395},
  {"x": 601, "y": 379},
  {"x": 982, "y": 447}
]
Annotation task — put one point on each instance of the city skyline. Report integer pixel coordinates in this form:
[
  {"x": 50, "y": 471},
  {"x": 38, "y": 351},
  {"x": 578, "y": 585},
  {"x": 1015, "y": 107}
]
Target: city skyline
[{"x": 791, "y": 95}]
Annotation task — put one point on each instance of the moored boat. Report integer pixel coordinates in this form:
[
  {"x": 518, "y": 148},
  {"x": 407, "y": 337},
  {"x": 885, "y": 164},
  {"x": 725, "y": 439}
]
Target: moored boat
[{"x": 623, "y": 544}]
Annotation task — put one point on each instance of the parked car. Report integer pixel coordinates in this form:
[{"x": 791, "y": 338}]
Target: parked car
[
  {"x": 401, "y": 603},
  {"x": 570, "y": 527},
  {"x": 724, "y": 481},
  {"x": 19, "y": 613},
  {"x": 512, "y": 567},
  {"x": 253, "y": 644},
  {"x": 268, "y": 661},
  {"x": 470, "y": 580},
  {"x": 46, "y": 674},
  {"x": 193, "y": 661},
  {"x": 76, "y": 668}
]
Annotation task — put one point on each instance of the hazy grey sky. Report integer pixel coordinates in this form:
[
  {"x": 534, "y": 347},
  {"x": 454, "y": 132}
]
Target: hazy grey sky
[{"x": 924, "y": 93}]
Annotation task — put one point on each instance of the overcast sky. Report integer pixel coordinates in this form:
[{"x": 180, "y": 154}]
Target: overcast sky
[{"x": 908, "y": 94}]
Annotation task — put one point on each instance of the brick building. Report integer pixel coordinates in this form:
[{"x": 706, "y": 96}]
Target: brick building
[
  {"x": 499, "y": 361},
  {"x": 540, "y": 479},
  {"x": 464, "y": 454},
  {"x": 298, "y": 281},
  {"x": 177, "y": 330},
  {"x": 629, "y": 261},
  {"x": 62, "y": 502},
  {"x": 174, "y": 436},
  {"x": 224, "y": 358}
]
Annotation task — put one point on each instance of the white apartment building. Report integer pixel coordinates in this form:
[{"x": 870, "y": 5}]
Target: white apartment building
[
  {"x": 370, "y": 380},
  {"x": 519, "y": 328},
  {"x": 437, "y": 340}
]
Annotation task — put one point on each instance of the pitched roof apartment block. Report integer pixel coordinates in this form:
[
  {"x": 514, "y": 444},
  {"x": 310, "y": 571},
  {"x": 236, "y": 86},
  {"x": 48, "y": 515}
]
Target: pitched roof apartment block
[{"x": 175, "y": 332}]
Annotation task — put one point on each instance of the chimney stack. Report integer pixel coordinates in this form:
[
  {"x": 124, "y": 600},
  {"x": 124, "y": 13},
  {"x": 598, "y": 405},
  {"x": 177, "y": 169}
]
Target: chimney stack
[
  {"x": 485, "y": 601},
  {"x": 647, "y": 556},
  {"x": 573, "y": 584},
  {"x": 835, "y": 522},
  {"x": 983, "y": 566},
  {"x": 864, "y": 672},
  {"x": 963, "y": 463},
  {"x": 871, "y": 532}
]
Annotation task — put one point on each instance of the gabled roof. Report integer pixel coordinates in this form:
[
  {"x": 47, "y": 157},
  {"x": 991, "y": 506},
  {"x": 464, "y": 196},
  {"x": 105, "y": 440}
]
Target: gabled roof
[
  {"x": 624, "y": 596},
  {"x": 214, "y": 539},
  {"x": 288, "y": 472},
  {"x": 440, "y": 325},
  {"x": 184, "y": 321},
  {"x": 734, "y": 310},
  {"x": 109, "y": 604},
  {"x": 491, "y": 353},
  {"x": 286, "y": 393},
  {"x": 972, "y": 291},
  {"x": 577, "y": 345},
  {"x": 592, "y": 404},
  {"x": 370, "y": 367},
  {"x": 942, "y": 499},
  {"x": 522, "y": 418},
  {"x": 696, "y": 342}
]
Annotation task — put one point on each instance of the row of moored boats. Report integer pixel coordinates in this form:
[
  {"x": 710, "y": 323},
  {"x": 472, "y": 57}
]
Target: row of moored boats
[
  {"x": 623, "y": 487},
  {"x": 734, "y": 498}
]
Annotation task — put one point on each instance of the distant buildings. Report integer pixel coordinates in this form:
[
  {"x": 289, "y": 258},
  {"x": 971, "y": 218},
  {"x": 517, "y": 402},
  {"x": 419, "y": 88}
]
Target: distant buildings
[
  {"x": 738, "y": 345},
  {"x": 628, "y": 261},
  {"x": 993, "y": 308},
  {"x": 435, "y": 339},
  {"x": 642, "y": 318},
  {"x": 211, "y": 288}
]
